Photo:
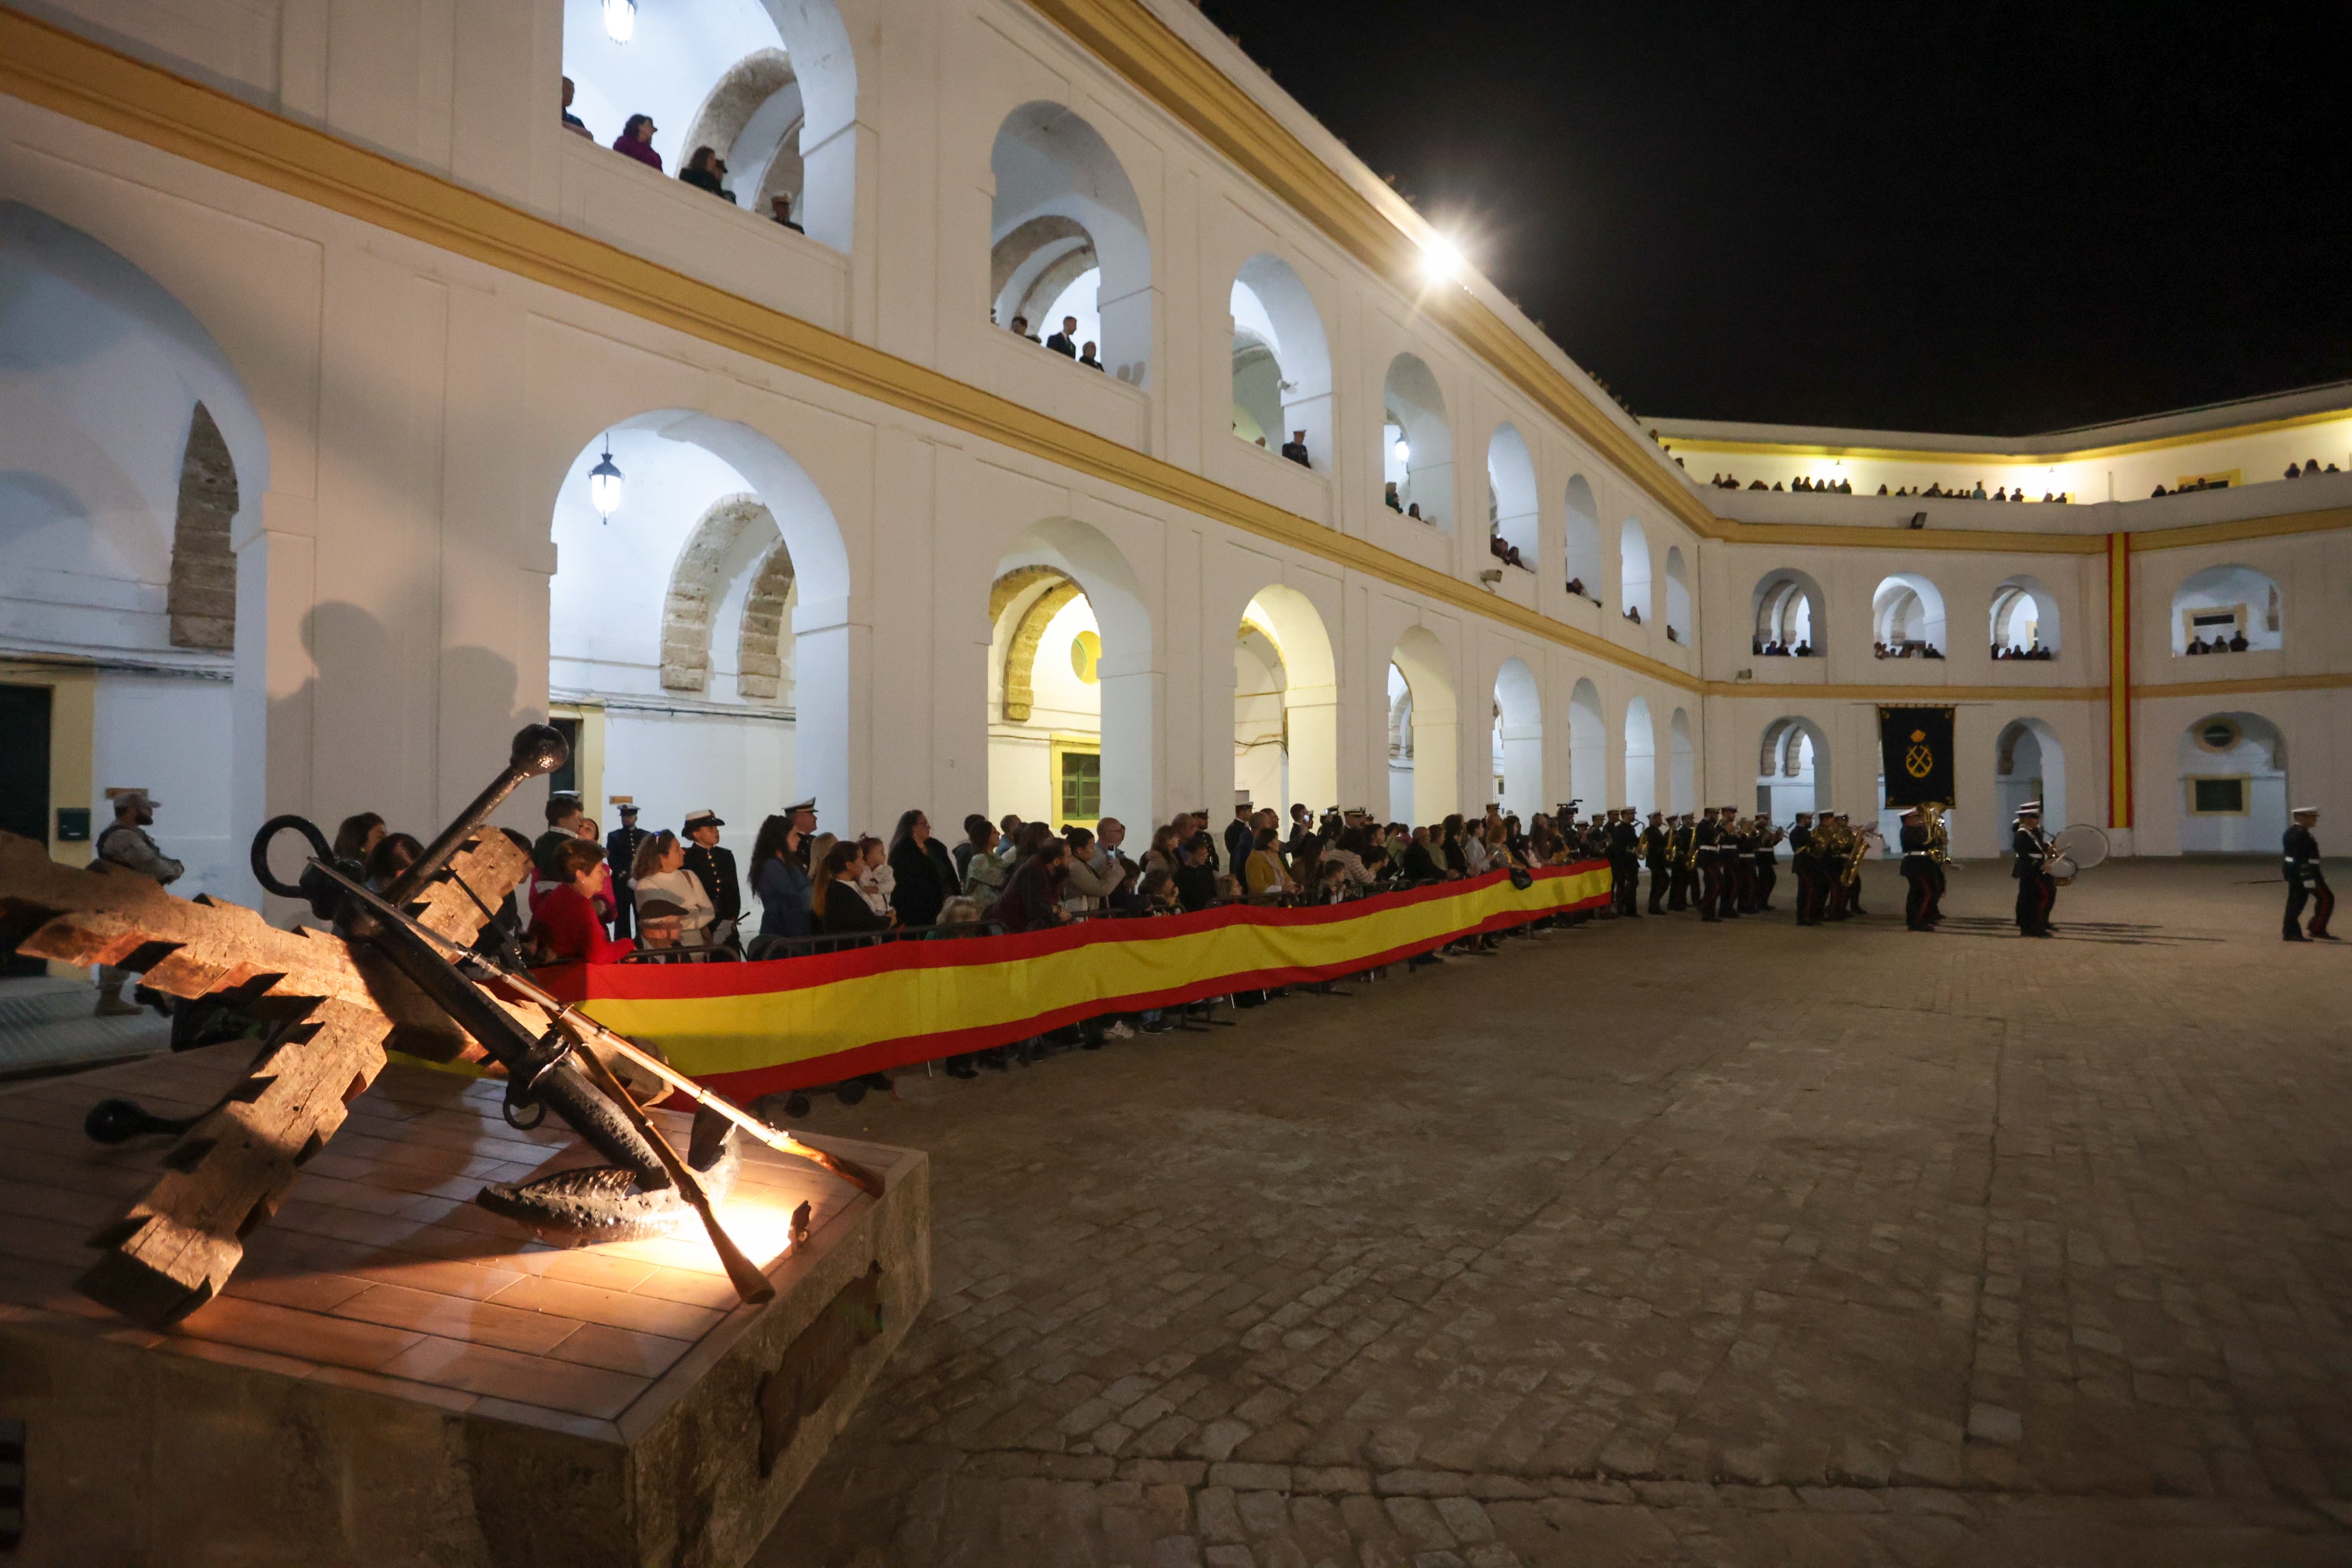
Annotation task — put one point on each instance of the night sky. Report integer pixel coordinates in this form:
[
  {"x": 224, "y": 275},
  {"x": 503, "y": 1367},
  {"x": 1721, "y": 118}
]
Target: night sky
[{"x": 1962, "y": 218}]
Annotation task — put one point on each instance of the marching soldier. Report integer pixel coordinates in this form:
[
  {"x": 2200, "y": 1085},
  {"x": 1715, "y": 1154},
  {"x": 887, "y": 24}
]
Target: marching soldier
[
  {"x": 1731, "y": 855},
  {"x": 1705, "y": 843},
  {"x": 1918, "y": 874},
  {"x": 1655, "y": 842},
  {"x": 2305, "y": 882},
  {"x": 1679, "y": 855},
  {"x": 1804, "y": 864},
  {"x": 1768, "y": 868},
  {"x": 1837, "y": 845},
  {"x": 1853, "y": 887},
  {"x": 2037, "y": 892}
]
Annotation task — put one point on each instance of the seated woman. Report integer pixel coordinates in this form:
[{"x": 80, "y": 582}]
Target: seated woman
[
  {"x": 660, "y": 873},
  {"x": 841, "y": 910},
  {"x": 564, "y": 927},
  {"x": 1264, "y": 873}
]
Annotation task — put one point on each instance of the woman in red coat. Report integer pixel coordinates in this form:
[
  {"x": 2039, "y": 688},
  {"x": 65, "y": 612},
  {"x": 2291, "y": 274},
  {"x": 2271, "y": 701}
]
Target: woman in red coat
[{"x": 565, "y": 923}]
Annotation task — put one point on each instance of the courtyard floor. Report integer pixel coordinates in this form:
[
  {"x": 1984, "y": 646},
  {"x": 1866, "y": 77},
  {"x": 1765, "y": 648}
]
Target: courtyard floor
[{"x": 1654, "y": 1243}]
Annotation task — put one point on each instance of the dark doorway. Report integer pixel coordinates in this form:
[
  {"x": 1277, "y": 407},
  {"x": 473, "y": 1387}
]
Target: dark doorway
[{"x": 24, "y": 781}]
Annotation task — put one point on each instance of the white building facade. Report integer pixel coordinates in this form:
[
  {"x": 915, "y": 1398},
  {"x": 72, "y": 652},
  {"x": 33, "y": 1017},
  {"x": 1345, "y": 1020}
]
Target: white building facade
[{"x": 323, "y": 299}]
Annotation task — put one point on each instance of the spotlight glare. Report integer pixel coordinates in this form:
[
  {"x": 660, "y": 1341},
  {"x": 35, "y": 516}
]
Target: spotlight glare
[
  {"x": 620, "y": 20},
  {"x": 1403, "y": 450},
  {"x": 1439, "y": 257}
]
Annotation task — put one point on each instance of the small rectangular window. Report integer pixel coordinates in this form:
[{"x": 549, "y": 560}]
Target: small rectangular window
[
  {"x": 1081, "y": 787},
  {"x": 2217, "y": 797}
]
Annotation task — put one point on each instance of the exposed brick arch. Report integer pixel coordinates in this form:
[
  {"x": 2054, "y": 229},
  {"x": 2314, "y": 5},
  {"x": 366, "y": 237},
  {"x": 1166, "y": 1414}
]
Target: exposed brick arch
[
  {"x": 698, "y": 582},
  {"x": 202, "y": 598},
  {"x": 1021, "y": 649},
  {"x": 760, "y": 663}
]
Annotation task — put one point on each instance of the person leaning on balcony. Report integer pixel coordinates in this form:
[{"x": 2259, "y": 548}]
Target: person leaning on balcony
[
  {"x": 636, "y": 140},
  {"x": 1296, "y": 450},
  {"x": 781, "y": 209},
  {"x": 1065, "y": 342},
  {"x": 705, "y": 171},
  {"x": 1390, "y": 496},
  {"x": 573, "y": 123},
  {"x": 1086, "y": 358}
]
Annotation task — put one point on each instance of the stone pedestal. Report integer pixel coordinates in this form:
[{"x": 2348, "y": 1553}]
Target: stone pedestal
[{"x": 396, "y": 1376}]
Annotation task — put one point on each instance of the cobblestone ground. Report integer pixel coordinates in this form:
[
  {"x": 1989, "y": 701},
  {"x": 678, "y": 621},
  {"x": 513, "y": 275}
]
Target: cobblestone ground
[{"x": 1654, "y": 1243}]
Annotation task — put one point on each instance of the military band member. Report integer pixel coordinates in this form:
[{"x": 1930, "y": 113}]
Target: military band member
[
  {"x": 1768, "y": 863},
  {"x": 1707, "y": 844},
  {"x": 1625, "y": 861},
  {"x": 1678, "y": 863},
  {"x": 2037, "y": 890},
  {"x": 1854, "y": 888},
  {"x": 1837, "y": 848},
  {"x": 1731, "y": 861},
  {"x": 2305, "y": 882},
  {"x": 1804, "y": 865},
  {"x": 1918, "y": 873},
  {"x": 1656, "y": 840}
]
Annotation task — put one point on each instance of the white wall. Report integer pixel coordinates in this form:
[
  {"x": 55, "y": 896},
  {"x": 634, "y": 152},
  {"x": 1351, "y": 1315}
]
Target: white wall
[{"x": 169, "y": 735}]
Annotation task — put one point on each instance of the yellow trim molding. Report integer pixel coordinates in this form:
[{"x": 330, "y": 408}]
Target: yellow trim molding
[{"x": 2242, "y": 687}]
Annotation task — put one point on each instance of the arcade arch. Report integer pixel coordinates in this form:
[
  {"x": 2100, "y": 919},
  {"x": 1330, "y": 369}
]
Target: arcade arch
[
  {"x": 1633, "y": 569},
  {"x": 722, "y": 681},
  {"x": 1792, "y": 772},
  {"x": 1282, "y": 360},
  {"x": 1907, "y": 613},
  {"x": 1588, "y": 747},
  {"x": 1285, "y": 703},
  {"x": 1519, "y": 740},
  {"x": 2029, "y": 764},
  {"x": 1511, "y": 504},
  {"x": 2024, "y": 617},
  {"x": 1583, "y": 540},
  {"x": 2234, "y": 786},
  {"x": 770, "y": 85},
  {"x": 1790, "y": 611},
  {"x": 1682, "y": 781},
  {"x": 1066, "y": 237},
  {"x": 1430, "y": 774},
  {"x": 1641, "y": 758},
  {"x": 1072, "y": 713},
  {"x": 2226, "y": 601},
  {"x": 133, "y": 446},
  {"x": 1678, "y": 595},
  {"x": 1416, "y": 442}
]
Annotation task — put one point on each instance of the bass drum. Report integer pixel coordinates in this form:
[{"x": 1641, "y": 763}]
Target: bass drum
[{"x": 2084, "y": 846}]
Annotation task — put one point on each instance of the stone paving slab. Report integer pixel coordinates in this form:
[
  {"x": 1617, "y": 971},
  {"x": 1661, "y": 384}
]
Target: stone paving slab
[
  {"x": 47, "y": 1025},
  {"x": 1654, "y": 1243}
]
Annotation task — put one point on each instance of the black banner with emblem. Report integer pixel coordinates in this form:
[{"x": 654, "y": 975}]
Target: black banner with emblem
[{"x": 1915, "y": 751}]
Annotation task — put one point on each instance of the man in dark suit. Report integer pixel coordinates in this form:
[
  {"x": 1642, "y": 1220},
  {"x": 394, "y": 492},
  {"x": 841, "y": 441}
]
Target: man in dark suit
[
  {"x": 713, "y": 866},
  {"x": 1239, "y": 837},
  {"x": 2305, "y": 882},
  {"x": 1065, "y": 342},
  {"x": 620, "y": 855}
]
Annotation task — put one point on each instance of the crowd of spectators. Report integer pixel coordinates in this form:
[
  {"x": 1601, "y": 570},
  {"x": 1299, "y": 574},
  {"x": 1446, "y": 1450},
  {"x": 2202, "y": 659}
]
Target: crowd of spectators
[
  {"x": 1910, "y": 648},
  {"x": 2310, "y": 471},
  {"x": 1804, "y": 485},
  {"x": 2014, "y": 651},
  {"x": 1776, "y": 648},
  {"x": 2234, "y": 643},
  {"x": 1066, "y": 343}
]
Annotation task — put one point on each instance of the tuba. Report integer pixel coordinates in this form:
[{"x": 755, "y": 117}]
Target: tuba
[{"x": 1940, "y": 835}]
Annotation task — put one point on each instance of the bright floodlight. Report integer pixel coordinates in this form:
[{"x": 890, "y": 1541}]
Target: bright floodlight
[
  {"x": 605, "y": 487},
  {"x": 621, "y": 20},
  {"x": 1403, "y": 450},
  {"x": 1439, "y": 257}
]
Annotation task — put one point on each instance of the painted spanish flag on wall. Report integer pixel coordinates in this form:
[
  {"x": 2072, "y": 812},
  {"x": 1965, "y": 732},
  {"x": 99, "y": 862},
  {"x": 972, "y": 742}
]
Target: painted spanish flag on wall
[{"x": 749, "y": 1029}]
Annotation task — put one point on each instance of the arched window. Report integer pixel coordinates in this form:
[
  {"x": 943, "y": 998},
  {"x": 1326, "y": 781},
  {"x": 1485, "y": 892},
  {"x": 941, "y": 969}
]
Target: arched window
[
  {"x": 1583, "y": 540},
  {"x": 1285, "y": 703},
  {"x": 2029, "y": 764},
  {"x": 1416, "y": 443},
  {"x": 1634, "y": 570},
  {"x": 2024, "y": 620},
  {"x": 1678, "y": 596},
  {"x": 1588, "y": 747},
  {"x": 2234, "y": 786},
  {"x": 2226, "y": 609},
  {"x": 1907, "y": 618},
  {"x": 1282, "y": 362},
  {"x": 1067, "y": 239},
  {"x": 1790, "y": 615},
  {"x": 1511, "y": 502},
  {"x": 770, "y": 89},
  {"x": 1641, "y": 758}
]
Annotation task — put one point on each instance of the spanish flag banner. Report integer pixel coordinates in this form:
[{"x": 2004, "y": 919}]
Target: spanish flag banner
[{"x": 749, "y": 1029}]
